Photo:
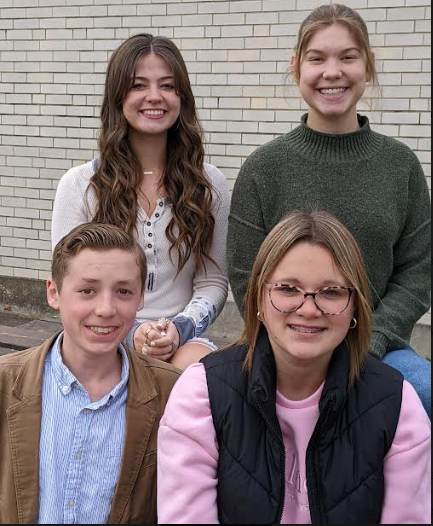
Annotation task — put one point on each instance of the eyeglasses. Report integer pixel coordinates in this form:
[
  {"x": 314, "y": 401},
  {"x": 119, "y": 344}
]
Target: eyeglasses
[{"x": 329, "y": 300}]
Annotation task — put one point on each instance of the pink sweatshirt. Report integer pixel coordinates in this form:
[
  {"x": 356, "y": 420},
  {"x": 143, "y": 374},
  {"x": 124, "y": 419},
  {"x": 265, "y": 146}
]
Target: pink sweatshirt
[{"x": 188, "y": 457}]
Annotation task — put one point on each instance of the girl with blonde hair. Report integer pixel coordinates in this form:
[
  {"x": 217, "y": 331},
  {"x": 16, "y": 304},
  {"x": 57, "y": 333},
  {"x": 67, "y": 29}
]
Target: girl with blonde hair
[
  {"x": 151, "y": 180},
  {"x": 297, "y": 423},
  {"x": 334, "y": 161}
]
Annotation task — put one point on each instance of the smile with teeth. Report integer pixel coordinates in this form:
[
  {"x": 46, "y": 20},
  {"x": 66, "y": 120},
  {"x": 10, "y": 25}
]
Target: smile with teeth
[
  {"x": 102, "y": 330},
  {"x": 332, "y": 91},
  {"x": 306, "y": 330},
  {"x": 154, "y": 113}
]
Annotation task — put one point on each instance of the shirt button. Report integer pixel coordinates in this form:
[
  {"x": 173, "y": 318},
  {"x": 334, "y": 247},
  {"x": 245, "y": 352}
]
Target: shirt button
[
  {"x": 149, "y": 246},
  {"x": 156, "y": 215},
  {"x": 78, "y": 456},
  {"x": 151, "y": 235},
  {"x": 161, "y": 204},
  {"x": 65, "y": 389},
  {"x": 149, "y": 224},
  {"x": 71, "y": 503}
]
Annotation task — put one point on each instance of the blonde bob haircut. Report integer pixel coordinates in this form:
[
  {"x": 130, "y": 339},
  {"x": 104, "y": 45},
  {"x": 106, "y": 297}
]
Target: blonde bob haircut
[
  {"x": 316, "y": 228},
  {"x": 328, "y": 15}
]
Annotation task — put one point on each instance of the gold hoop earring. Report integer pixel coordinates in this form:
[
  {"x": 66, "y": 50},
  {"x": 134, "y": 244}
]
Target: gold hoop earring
[
  {"x": 258, "y": 316},
  {"x": 354, "y": 324}
]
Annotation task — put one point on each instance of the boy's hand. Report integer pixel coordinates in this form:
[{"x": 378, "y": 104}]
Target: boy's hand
[{"x": 157, "y": 339}]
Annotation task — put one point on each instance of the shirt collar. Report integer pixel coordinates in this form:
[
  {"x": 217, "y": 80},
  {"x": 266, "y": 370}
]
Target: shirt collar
[{"x": 66, "y": 380}]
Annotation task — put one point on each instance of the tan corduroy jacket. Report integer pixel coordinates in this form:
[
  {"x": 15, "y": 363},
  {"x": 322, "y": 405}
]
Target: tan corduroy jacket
[{"x": 21, "y": 375}]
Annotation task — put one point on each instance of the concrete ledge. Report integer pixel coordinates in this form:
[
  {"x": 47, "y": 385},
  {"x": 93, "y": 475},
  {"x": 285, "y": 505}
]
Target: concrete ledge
[{"x": 23, "y": 295}]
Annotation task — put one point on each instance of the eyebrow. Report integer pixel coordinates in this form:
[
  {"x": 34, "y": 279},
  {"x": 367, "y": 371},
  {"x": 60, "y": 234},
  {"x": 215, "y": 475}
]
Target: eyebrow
[
  {"x": 321, "y": 52},
  {"x": 170, "y": 77},
  {"x": 326, "y": 283},
  {"x": 122, "y": 282}
]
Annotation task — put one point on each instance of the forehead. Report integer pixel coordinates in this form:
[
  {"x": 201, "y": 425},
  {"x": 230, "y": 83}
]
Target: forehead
[
  {"x": 153, "y": 64},
  {"x": 110, "y": 265},
  {"x": 310, "y": 265},
  {"x": 334, "y": 37}
]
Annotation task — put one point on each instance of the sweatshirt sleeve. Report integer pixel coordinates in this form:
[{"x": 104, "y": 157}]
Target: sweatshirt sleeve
[
  {"x": 188, "y": 454},
  {"x": 408, "y": 466},
  {"x": 210, "y": 285},
  {"x": 408, "y": 291},
  {"x": 246, "y": 232}
]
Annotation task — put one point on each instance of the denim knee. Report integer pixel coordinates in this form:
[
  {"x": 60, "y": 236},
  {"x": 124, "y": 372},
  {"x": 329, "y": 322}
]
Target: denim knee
[{"x": 416, "y": 370}]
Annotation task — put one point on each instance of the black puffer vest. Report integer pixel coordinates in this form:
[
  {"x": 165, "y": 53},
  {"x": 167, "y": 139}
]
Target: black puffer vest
[{"x": 345, "y": 455}]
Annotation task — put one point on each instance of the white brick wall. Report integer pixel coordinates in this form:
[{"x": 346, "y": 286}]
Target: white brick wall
[{"x": 53, "y": 55}]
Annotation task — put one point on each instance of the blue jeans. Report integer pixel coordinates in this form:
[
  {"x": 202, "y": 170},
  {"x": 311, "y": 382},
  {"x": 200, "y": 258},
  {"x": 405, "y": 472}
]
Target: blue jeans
[{"x": 416, "y": 370}]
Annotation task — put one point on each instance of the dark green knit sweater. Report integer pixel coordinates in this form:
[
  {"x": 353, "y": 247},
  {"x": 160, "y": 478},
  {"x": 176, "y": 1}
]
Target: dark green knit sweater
[{"x": 374, "y": 184}]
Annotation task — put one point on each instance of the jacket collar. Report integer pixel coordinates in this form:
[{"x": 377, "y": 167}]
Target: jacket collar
[
  {"x": 24, "y": 419},
  {"x": 263, "y": 377}
]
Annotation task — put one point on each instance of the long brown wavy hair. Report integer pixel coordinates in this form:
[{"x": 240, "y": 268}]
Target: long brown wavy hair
[
  {"x": 317, "y": 228},
  {"x": 118, "y": 177}
]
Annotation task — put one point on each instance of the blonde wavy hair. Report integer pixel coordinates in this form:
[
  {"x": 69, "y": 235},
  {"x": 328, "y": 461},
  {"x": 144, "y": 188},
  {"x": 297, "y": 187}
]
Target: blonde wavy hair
[{"x": 317, "y": 228}]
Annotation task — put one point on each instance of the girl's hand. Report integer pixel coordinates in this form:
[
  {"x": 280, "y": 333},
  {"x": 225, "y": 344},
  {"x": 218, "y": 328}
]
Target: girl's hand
[{"x": 158, "y": 340}]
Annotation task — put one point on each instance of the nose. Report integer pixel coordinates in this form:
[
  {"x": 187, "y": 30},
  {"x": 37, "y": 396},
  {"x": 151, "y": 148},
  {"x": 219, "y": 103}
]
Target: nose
[
  {"x": 332, "y": 71},
  {"x": 105, "y": 307},
  {"x": 309, "y": 309},
  {"x": 153, "y": 94}
]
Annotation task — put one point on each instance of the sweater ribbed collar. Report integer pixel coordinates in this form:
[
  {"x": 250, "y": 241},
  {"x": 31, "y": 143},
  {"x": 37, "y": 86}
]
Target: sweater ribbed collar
[{"x": 362, "y": 144}]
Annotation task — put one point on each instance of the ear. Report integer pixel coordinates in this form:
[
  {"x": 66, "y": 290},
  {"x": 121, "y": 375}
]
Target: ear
[
  {"x": 141, "y": 305},
  {"x": 293, "y": 68},
  {"x": 370, "y": 73},
  {"x": 52, "y": 294}
]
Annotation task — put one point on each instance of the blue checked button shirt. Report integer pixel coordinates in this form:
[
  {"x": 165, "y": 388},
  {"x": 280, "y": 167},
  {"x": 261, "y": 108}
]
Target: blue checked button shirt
[{"x": 81, "y": 445}]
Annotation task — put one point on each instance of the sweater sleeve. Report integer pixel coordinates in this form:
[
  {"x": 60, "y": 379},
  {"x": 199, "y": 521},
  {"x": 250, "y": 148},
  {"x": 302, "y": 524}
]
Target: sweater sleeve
[
  {"x": 246, "y": 232},
  {"x": 71, "y": 207},
  {"x": 188, "y": 454},
  {"x": 210, "y": 285},
  {"x": 408, "y": 292},
  {"x": 407, "y": 466}
]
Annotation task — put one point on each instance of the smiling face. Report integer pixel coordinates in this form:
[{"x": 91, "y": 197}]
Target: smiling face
[
  {"x": 98, "y": 301},
  {"x": 332, "y": 79},
  {"x": 152, "y": 106},
  {"x": 306, "y": 335}
]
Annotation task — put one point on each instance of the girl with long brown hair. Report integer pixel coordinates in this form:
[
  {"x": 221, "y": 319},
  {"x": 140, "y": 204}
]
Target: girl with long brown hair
[
  {"x": 296, "y": 423},
  {"x": 151, "y": 180}
]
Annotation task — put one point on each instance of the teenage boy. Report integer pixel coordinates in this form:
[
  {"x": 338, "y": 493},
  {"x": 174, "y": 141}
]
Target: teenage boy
[{"x": 79, "y": 415}]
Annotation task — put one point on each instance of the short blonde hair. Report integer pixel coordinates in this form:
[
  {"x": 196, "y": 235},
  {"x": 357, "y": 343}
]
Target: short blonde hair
[
  {"x": 96, "y": 236},
  {"x": 326, "y": 16},
  {"x": 317, "y": 228}
]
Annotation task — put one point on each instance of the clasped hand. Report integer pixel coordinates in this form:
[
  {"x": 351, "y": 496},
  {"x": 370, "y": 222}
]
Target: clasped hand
[{"x": 157, "y": 339}]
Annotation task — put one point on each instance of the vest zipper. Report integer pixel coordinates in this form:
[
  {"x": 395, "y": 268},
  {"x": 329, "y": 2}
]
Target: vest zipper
[
  {"x": 283, "y": 463},
  {"x": 314, "y": 491}
]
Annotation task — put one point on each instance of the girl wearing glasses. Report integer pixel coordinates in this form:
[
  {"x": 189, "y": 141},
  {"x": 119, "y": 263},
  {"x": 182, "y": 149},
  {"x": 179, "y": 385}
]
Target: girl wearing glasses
[
  {"x": 296, "y": 423},
  {"x": 334, "y": 161}
]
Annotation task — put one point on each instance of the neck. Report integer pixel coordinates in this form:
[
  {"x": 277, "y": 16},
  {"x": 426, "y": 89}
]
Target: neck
[
  {"x": 97, "y": 374},
  {"x": 299, "y": 380},
  {"x": 151, "y": 151},
  {"x": 341, "y": 125}
]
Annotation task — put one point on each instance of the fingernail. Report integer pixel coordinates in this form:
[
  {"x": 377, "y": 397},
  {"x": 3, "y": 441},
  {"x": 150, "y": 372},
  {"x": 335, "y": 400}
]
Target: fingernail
[
  {"x": 152, "y": 344},
  {"x": 144, "y": 350},
  {"x": 163, "y": 333}
]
